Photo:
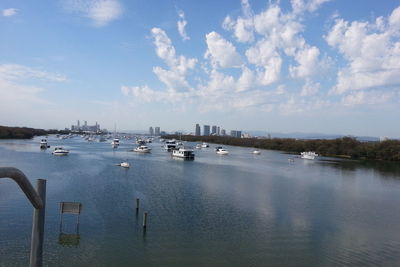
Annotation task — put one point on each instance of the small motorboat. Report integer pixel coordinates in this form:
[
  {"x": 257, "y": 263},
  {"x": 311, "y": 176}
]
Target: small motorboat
[
  {"x": 205, "y": 145},
  {"x": 256, "y": 152},
  {"x": 124, "y": 164},
  {"x": 222, "y": 151},
  {"x": 59, "y": 151},
  {"x": 142, "y": 149},
  {"x": 308, "y": 155}
]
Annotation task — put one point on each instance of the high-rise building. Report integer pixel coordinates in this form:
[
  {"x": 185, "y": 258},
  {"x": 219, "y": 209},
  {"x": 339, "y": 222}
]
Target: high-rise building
[
  {"x": 218, "y": 131},
  {"x": 197, "y": 131},
  {"x": 157, "y": 131},
  {"x": 151, "y": 131},
  {"x": 237, "y": 134},
  {"x": 214, "y": 130},
  {"x": 223, "y": 132},
  {"x": 206, "y": 130}
]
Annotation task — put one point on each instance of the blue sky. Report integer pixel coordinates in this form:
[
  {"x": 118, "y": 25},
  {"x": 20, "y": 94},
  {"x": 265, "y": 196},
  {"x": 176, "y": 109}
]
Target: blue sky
[{"x": 281, "y": 66}]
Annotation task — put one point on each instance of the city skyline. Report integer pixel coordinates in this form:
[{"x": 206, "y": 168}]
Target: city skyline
[{"x": 311, "y": 66}]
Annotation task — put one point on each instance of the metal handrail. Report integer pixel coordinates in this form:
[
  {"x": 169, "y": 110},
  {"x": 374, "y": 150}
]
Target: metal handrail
[{"x": 38, "y": 200}]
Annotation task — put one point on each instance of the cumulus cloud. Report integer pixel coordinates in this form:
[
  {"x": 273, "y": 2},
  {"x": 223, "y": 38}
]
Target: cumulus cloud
[
  {"x": 300, "y": 6},
  {"x": 242, "y": 26},
  {"x": 372, "y": 51},
  {"x": 101, "y": 12},
  {"x": 9, "y": 12},
  {"x": 221, "y": 52},
  {"x": 174, "y": 77},
  {"x": 181, "y": 26}
]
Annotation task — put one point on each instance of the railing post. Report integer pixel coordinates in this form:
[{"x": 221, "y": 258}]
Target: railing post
[{"x": 36, "y": 257}]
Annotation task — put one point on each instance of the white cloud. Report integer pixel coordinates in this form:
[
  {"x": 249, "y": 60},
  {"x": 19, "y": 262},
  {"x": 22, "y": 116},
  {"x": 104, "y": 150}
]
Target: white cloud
[
  {"x": 367, "y": 98},
  {"x": 175, "y": 77},
  {"x": 181, "y": 26},
  {"x": 310, "y": 88},
  {"x": 18, "y": 87},
  {"x": 9, "y": 12},
  {"x": 101, "y": 12},
  {"x": 308, "y": 63},
  {"x": 264, "y": 55},
  {"x": 13, "y": 72},
  {"x": 300, "y": 6},
  {"x": 221, "y": 52},
  {"x": 372, "y": 51},
  {"x": 243, "y": 26}
]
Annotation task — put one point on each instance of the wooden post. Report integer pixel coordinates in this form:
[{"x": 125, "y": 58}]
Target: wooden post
[
  {"x": 137, "y": 204},
  {"x": 144, "y": 220}
]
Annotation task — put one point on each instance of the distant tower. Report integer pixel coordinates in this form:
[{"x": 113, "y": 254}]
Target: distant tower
[
  {"x": 218, "y": 131},
  {"x": 85, "y": 123},
  {"x": 214, "y": 130},
  {"x": 197, "y": 130},
  {"x": 157, "y": 131},
  {"x": 206, "y": 130},
  {"x": 223, "y": 132},
  {"x": 151, "y": 131},
  {"x": 79, "y": 127}
]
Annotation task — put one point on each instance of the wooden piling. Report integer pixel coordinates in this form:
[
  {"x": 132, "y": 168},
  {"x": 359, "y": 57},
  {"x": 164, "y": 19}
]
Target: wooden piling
[
  {"x": 144, "y": 220},
  {"x": 137, "y": 204}
]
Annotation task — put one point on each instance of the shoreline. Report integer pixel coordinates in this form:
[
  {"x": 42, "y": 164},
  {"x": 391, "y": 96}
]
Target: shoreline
[{"x": 345, "y": 147}]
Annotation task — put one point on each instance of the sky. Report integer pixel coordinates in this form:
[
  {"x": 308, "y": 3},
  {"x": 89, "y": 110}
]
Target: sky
[{"x": 313, "y": 66}]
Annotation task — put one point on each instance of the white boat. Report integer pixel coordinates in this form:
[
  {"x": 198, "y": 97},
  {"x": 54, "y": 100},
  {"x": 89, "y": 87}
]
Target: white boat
[
  {"x": 183, "y": 152},
  {"x": 170, "y": 144},
  {"x": 204, "y": 145},
  {"x": 59, "y": 151},
  {"x": 217, "y": 148},
  {"x": 124, "y": 164},
  {"x": 43, "y": 143},
  {"x": 256, "y": 152},
  {"x": 115, "y": 142},
  {"x": 222, "y": 151},
  {"x": 142, "y": 149},
  {"x": 308, "y": 155}
]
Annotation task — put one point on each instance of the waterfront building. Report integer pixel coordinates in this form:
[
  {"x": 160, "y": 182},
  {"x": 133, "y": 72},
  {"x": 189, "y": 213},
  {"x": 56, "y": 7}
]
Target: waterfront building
[
  {"x": 197, "y": 131},
  {"x": 157, "y": 131},
  {"x": 206, "y": 130},
  {"x": 214, "y": 130},
  {"x": 85, "y": 127},
  {"x": 151, "y": 131},
  {"x": 235, "y": 133}
]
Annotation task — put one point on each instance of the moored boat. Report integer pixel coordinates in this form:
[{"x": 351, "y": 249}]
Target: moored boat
[
  {"x": 142, "y": 149},
  {"x": 59, "y": 151},
  {"x": 183, "y": 152},
  {"x": 222, "y": 151},
  {"x": 43, "y": 144},
  {"x": 170, "y": 145},
  {"x": 308, "y": 155}
]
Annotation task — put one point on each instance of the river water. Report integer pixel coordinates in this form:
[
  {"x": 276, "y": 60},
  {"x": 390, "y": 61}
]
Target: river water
[{"x": 235, "y": 210}]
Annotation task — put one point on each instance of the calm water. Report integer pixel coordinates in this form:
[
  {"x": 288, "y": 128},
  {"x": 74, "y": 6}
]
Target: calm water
[{"x": 235, "y": 210}]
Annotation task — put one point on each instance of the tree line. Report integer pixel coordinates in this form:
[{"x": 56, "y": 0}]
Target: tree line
[
  {"x": 24, "y": 132},
  {"x": 348, "y": 147}
]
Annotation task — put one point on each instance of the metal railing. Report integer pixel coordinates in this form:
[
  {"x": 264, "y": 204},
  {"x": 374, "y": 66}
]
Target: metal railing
[{"x": 38, "y": 200}]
